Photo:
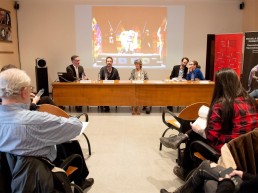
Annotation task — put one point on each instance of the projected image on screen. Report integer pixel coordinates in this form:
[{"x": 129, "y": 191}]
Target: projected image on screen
[{"x": 128, "y": 33}]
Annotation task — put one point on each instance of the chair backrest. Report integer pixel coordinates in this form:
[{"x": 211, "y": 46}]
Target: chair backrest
[
  {"x": 28, "y": 174},
  {"x": 244, "y": 150},
  {"x": 53, "y": 110},
  {"x": 32, "y": 174},
  {"x": 191, "y": 112}
]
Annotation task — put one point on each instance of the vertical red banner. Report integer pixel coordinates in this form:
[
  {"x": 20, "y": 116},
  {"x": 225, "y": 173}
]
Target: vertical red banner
[{"x": 228, "y": 52}]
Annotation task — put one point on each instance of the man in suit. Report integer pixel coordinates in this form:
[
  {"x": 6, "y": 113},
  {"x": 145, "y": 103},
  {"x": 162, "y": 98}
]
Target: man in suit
[
  {"x": 179, "y": 71},
  {"x": 77, "y": 72},
  {"x": 75, "y": 69}
]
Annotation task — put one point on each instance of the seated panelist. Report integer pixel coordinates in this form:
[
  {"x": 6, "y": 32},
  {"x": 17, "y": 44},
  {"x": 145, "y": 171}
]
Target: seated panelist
[
  {"x": 139, "y": 74},
  {"x": 76, "y": 69},
  {"x": 108, "y": 72},
  {"x": 194, "y": 72},
  {"x": 78, "y": 73}
]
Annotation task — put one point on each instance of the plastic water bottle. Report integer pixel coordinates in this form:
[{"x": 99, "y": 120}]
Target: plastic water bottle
[
  {"x": 98, "y": 76},
  {"x": 41, "y": 91}
]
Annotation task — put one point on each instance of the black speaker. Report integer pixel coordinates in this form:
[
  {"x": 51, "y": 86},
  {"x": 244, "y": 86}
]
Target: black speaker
[
  {"x": 41, "y": 63},
  {"x": 242, "y": 5},
  {"x": 42, "y": 80},
  {"x": 16, "y": 5}
]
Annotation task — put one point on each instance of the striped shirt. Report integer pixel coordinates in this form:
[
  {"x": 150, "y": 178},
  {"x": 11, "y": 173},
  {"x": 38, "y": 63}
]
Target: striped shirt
[{"x": 33, "y": 133}]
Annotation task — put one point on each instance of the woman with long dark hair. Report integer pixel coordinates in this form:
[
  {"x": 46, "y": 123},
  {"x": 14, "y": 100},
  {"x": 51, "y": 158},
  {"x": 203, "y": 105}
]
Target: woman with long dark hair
[{"x": 232, "y": 113}]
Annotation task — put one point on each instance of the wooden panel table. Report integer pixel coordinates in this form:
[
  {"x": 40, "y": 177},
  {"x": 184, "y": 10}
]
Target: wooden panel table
[
  {"x": 128, "y": 93},
  {"x": 119, "y": 93},
  {"x": 160, "y": 93}
]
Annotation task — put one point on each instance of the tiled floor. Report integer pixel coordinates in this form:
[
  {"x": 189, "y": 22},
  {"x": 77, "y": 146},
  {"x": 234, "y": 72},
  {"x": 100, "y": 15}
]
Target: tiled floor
[{"x": 125, "y": 152}]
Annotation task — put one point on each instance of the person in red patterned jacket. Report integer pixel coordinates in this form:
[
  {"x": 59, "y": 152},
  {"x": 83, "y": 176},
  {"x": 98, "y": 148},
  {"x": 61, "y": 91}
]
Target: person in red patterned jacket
[{"x": 232, "y": 113}]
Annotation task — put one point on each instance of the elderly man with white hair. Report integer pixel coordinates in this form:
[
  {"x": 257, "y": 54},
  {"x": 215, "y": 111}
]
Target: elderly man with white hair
[{"x": 32, "y": 133}]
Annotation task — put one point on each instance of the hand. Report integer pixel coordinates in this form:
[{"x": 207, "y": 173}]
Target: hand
[
  {"x": 32, "y": 95},
  {"x": 190, "y": 68},
  {"x": 195, "y": 128},
  {"x": 35, "y": 100},
  {"x": 85, "y": 78},
  {"x": 226, "y": 176},
  {"x": 237, "y": 173}
]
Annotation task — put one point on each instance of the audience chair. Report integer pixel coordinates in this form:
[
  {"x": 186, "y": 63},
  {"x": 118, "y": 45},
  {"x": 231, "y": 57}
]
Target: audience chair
[
  {"x": 244, "y": 150},
  {"x": 33, "y": 174},
  {"x": 181, "y": 122},
  {"x": 201, "y": 151},
  {"x": 59, "y": 112}
]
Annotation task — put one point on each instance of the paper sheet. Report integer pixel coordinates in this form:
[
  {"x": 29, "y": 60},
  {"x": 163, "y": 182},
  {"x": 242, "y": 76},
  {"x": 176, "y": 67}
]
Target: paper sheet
[{"x": 84, "y": 125}]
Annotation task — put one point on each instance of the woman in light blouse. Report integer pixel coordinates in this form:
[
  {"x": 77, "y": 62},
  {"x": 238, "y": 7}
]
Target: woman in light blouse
[{"x": 139, "y": 74}]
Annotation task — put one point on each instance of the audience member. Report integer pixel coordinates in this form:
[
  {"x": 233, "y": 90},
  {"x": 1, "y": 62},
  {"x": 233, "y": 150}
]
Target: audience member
[
  {"x": 252, "y": 77},
  {"x": 139, "y": 74},
  {"x": 194, "y": 72},
  {"x": 77, "y": 72},
  {"x": 32, "y": 133},
  {"x": 35, "y": 100},
  {"x": 254, "y": 93},
  {"x": 232, "y": 113},
  {"x": 208, "y": 174},
  {"x": 108, "y": 72}
]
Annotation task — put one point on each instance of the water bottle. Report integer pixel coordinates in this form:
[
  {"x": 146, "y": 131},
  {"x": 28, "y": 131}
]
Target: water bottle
[
  {"x": 192, "y": 76},
  {"x": 41, "y": 91},
  {"x": 98, "y": 76}
]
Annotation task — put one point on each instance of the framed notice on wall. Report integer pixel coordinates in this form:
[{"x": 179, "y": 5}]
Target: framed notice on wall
[{"x": 5, "y": 25}]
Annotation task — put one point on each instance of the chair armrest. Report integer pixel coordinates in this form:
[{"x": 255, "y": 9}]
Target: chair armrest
[
  {"x": 69, "y": 161},
  {"x": 184, "y": 124},
  {"x": 205, "y": 150},
  {"x": 170, "y": 123},
  {"x": 86, "y": 116}
]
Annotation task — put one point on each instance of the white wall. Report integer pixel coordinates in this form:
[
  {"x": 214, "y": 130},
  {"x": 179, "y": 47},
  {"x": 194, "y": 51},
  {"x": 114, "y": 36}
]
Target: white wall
[{"x": 47, "y": 30}]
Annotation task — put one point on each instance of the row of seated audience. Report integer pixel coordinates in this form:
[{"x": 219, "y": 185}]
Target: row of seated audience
[
  {"x": 28, "y": 132},
  {"x": 232, "y": 113}
]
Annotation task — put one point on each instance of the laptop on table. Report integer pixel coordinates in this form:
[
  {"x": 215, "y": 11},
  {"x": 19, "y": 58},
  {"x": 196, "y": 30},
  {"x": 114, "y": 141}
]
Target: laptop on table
[{"x": 65, "y": 77}]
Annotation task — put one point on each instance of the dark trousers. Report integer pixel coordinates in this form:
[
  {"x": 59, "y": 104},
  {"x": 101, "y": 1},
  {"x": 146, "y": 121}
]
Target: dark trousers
[
  {"x": 187, "y": 162},
  {"x": 64, "y": 150},
  {"x": 201, "y": 175}
]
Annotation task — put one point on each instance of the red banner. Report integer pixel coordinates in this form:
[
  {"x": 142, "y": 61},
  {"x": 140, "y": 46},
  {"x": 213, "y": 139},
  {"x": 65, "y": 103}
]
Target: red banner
[{"x": 228, "y": 52}]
